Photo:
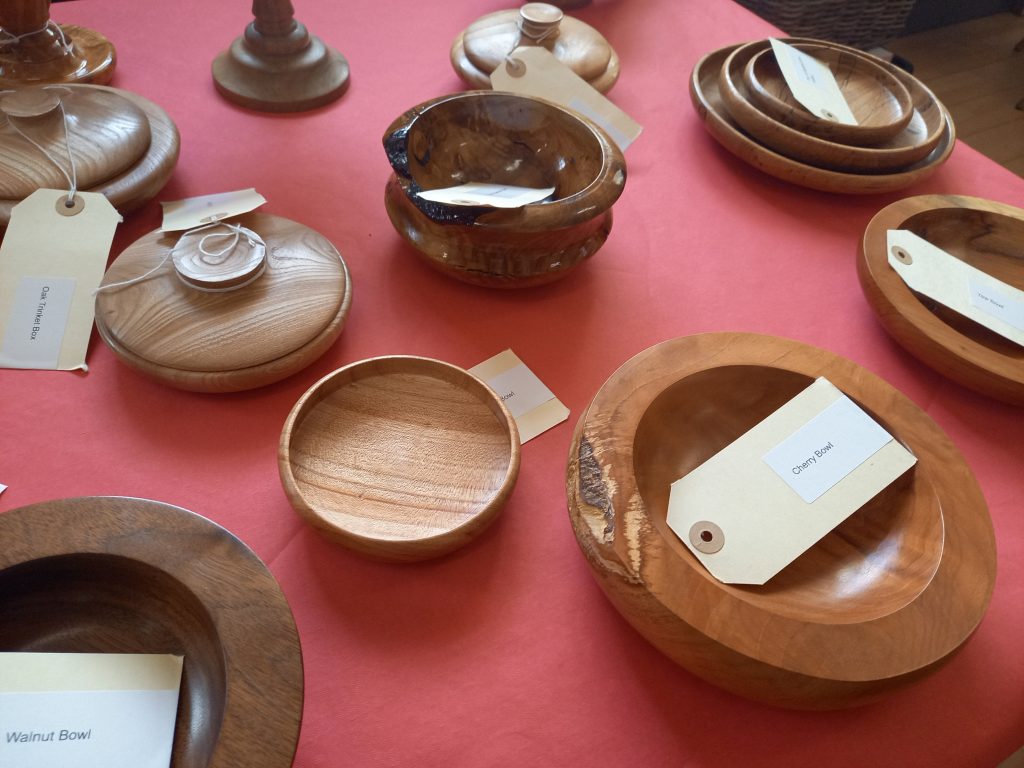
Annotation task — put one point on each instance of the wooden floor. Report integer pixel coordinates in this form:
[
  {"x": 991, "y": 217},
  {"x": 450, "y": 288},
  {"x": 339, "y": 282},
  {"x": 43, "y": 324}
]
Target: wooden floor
[{"x": 973, "y": 69}]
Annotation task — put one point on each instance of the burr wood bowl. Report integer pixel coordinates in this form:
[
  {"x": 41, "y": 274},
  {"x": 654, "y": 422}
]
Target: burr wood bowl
[
  {"x": 399, "y": 458},
  {"x": 876, "y": 604},
  {"x": 121, "y": 575},
  {"x": 502, "y": 138},
  {"x": 983, "y": 233}
]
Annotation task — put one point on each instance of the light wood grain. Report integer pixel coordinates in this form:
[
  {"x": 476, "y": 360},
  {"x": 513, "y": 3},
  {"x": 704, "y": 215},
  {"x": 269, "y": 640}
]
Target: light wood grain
[
  {"x": 40, "y": 56},
  {"x": 707, "y": 100},
  {"x": 879, "y": 102},
  {"x": 399, "y": 458},
  {"x": 277, "y": 66},
  {"x": 985, "y": 234},
  {"x": 232, "y": 340},
  {"x": 118, "y": 575},
  {"x": 502, "y": 138},
  {"x": 485, "y": 43},
  {"x": 916, "y": 141},
  {"x": 880, "y": 602}
]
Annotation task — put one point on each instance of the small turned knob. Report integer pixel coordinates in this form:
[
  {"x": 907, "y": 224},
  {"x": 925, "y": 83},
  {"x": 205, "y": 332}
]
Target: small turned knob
[{"x": 538, "y": 21}]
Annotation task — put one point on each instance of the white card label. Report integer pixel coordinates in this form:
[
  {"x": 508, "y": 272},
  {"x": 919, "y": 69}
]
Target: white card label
[
  {"x": 812, "y": 84},
  {"x": 87, "y": 710},
  {"x": 195, "y": 211},
  {"x": 35, "y": 327},
  {"x": 826, "y": 449},
  {"x": 533, "y": 406},
  {"x": 492, "y": 195},
  {"x": 534, "y": 71},
  {"x": 931, "y": 271}
]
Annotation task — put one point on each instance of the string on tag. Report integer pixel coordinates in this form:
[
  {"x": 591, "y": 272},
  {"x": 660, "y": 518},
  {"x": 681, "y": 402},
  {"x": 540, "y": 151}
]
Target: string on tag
[
  {"x": 514, "y": 66},
  {"x": 9, "y": 38},
  {"x": 213, "y": 258},
  {"x": 72, "y": 177}
]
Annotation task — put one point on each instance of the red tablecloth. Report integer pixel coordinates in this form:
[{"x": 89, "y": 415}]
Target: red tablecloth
[{"x": 507, "y": 653}]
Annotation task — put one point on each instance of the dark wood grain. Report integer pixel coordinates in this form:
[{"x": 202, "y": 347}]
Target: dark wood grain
[
  {"x": 119, "y": 575},
  {"x": 878, "y": 603}
]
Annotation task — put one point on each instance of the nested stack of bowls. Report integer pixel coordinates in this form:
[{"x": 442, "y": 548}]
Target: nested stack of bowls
[{"x": 902, "y": 132}]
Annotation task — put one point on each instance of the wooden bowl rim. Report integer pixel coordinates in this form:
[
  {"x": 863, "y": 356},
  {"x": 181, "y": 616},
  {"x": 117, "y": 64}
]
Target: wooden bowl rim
[
  {"x": 244, "y": 631},
  {"x": 862, "y": 159},
  {"x": 581, "y": 206},
  {"x": 991, "y": 372},
  {"x": 388, "y": 549},
  {"x": 724, "y": 130},
  {"x": 848, "y": 134},
  {"x": 960, "y": 553}
]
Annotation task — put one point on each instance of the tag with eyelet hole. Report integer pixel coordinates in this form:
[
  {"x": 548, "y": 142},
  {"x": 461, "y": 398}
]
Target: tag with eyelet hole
[
  {"x": 743, "y": 514},
  {"x": 531, "y": 70},
  {"x": 940, "y": 276},
  {"x": 812, "y": 84},
  {"x": 51, "y": 261},
  {"x": 194, "y": 212}
]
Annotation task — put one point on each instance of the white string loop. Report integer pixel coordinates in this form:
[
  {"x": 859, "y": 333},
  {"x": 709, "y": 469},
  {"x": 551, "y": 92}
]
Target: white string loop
[
  {"x": 9, "y": 38},
  {"x": 72, "y": 177}
]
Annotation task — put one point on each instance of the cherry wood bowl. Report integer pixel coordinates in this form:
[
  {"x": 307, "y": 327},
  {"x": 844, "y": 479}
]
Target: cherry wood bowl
[
  {"x": 502, "y": 138},
  {"x": 399, "y": 458},
  {"x": 914, "y": 142},
  {"x": 880, "y": 602},
  {"x": 707, "y": 100},
  {"x": 121, "y": 575},
  {"x": 987, "y": 235},
  {"x": 881, "y": 103}
]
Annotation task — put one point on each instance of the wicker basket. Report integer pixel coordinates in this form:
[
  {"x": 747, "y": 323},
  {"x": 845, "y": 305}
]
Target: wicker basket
[{"x": 862, "y": 24}]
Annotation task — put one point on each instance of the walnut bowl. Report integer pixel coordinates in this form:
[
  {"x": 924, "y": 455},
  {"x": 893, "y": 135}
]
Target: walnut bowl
[{"x": 502, "y": 138}]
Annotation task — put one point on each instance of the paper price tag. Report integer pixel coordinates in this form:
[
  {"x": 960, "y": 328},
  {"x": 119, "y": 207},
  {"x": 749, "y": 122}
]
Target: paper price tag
[
  {"x": 931, "y": 271},
  {"x": 534, "y": 71},
  {"x": 754, "y": 507},
  {"x": 51, "y": 260},
  {"x": 492, "y": 195},
  {"x": 195, "y": 211},
  {"x": 533, "y": 406},
  {"x": 812, "y": 84}
]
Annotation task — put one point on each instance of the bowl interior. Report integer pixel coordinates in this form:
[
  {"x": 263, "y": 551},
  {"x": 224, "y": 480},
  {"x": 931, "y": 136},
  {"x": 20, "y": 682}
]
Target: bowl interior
[
  {"x": 875, "y": 562},
  {"x": 987, "y": 240},
  {"x": 503, "y": 139},
  {"x": 93, "y": 603}
]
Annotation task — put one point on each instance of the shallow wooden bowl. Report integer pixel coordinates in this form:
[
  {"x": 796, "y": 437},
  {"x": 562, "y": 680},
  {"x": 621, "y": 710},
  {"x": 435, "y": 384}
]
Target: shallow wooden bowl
[
  {"x": 707, "y": 100},
  {"x": 914, "y": 142},
  {"x": 128, "y": 163},
  {"x": 119, "y": 575},
  {"x": 502, "y": 138},
  {"x": 985, "y": 234},
  {"x": 881, "y": 104},
  {"x": 399, "y": 458},
  {"x": 880, "y": 602}
]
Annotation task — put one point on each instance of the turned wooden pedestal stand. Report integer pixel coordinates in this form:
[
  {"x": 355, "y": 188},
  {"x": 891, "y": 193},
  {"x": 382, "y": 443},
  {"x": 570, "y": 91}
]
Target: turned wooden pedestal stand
[
  {"x": 34, "y": 52},
  {"x": 277, "y": 66}
]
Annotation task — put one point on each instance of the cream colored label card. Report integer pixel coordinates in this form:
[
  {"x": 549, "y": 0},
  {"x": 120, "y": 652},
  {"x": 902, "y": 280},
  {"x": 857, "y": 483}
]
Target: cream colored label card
[
  {"x": 812, "y": 84},
  {"x": 86, "y": 710},
  {"x": 533, "y": 406},
  {"x": 491, "y": 195},
  {"x": 533, "y": 71},
  {"x": 51, "y": 260},
  {"x": 931, "y": 271},
  {"x": 196, "y": 211},
  {"x": 754, "y": 507}
]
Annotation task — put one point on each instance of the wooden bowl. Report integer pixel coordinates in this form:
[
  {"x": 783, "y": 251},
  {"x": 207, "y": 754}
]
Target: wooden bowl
[
  {"x": 878, "y": 603},
  {"x": 985, "y": 234},
  {"x": 118, "y": 575},
  {"x": 233, "y": 340},
  {"x": 125, "y": 146},
  {"x": 502, "y": 138},
  {"x": 914, "y": 142},
  {"x": 881, "y": 104},
  {"x": 707, "y": 100},
  {"x": 399, "y": 458}
]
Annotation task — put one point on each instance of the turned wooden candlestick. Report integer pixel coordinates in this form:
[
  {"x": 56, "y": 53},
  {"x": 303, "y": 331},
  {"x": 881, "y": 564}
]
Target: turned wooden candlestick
[
  {"x": 35, "y": 51},
  {"x": 277, "y": 66}
]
